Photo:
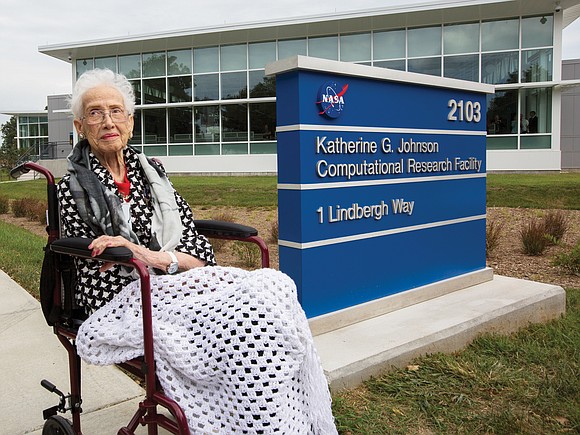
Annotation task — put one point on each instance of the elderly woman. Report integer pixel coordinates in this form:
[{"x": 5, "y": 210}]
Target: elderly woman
[
  {"x": 233, "y": 347},
  {"x": 117, "y": 196}
]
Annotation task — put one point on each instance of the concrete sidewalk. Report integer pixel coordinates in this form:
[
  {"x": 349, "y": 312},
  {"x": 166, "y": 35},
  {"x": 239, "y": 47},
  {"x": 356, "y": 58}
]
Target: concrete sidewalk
[
  {"x": 30, "y": 352},
  {"x": 446, "y": 320}
]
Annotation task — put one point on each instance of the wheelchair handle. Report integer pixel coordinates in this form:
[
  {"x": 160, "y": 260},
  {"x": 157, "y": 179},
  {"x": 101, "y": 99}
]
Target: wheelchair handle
[{"x": 25, "y": 168}]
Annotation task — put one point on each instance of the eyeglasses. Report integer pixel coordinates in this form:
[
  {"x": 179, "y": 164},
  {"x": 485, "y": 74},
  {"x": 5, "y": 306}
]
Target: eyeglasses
[{"x": 97, "y": 116}]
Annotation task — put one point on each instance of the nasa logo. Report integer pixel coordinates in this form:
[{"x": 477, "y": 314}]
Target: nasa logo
[{"x": 330, "y": 99}]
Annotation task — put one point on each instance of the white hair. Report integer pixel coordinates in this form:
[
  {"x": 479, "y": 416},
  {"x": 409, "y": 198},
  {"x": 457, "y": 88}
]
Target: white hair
[{"x": 101, "y": 77}]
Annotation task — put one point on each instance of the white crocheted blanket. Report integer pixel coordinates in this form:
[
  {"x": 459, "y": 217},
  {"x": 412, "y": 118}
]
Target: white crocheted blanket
[{"x": 232, "y": 348}]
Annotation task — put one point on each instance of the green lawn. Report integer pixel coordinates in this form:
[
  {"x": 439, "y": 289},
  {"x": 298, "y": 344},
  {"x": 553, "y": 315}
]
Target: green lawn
[
  {"x": 559, "y": 191},
  {"x": 503, "y": 190}
]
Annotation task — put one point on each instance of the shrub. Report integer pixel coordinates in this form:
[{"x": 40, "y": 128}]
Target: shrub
[
  {"x": 555, "y": 225},
  {"x": 37, "y": 211},
  {"x": 33, "y": 209},
  {"x": 248, "y": 253},
  {"x": 493, "y": 231},
  {"x": 4, "y": 204},
  {"x": 569, "y": 261},
  {"x": 533, "y": 237},
  {"x": 274, "y": 232},
  {"x": 20, "y": 207}
]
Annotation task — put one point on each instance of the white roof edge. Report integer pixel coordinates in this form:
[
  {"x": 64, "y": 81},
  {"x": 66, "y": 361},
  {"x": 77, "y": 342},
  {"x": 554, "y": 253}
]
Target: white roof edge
[
  {"x": 23, "y": 112},
  {"x": 345, "y": 68},
  {"x": 564, "y": 84},
  {"x": 392, "y": 10}
]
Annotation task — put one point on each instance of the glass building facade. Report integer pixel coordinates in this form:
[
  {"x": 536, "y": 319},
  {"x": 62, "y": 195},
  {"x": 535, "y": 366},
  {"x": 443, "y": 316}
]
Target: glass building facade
[
  {"x": 205, "y": 104},
  {"x": 216, "y": 100},
  {"x": 32, "y": 132}
]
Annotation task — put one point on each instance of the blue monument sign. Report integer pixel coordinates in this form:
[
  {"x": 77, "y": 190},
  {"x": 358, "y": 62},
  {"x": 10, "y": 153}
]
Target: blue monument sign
[{"x": 381, "y": 180}]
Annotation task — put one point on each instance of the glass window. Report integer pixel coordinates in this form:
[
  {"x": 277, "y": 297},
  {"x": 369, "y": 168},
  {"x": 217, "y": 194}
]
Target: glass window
[
  {"x": 325, "y": 48},
  {"x": 106, "y": 63},
  {"x": 180, "y": 125},
  {"x": 154, "y": 126},
  {"x": 502, "y": 109},
  {"x": 261, "y": 53},
  {"x": 130, "y": 66},
  {"x": 181, "y": 150},
  {"x": 84, "y": 65},
  {"x": 389, "y": 45},
  {"x": 431, "y": 66},
  {"x": 355, "y": 48},
  {"x": 537, "y": 107},
  {"x": 262, "y": 86},
  {"x": 291, "y": 47},
  {"x": 462, "y": 67},
  {"x": 205, "y": 60},
  {"x": 537, "y": 65},
  {"x": 207, "y": 149},
  {"x": 502, "y": 143},
  {"x": 155, "y": 150},
  {"x": 461, "y": 38},
  {"x": 234, "y": 148},
  {"x": 262, "y": 121},
  {"x": 391, "y": 64},
  {"x": 136, "y": 139},
  {"x": 263, "y": 148},
  {"x": 23, "y": 130},
  {"x": 207, "y": 124},
  {"x": 537, "y": 31},
  {"x": 179, "y": 89},
  {"x": 33, "y": 129},
  {"x": 234, "y": 85},
  {"x": 233, "y": 57},
  {"x": 536, "y": 142},
  {"x": 206, "y": 87},
  {"x": 153, "y": 64},
  {"x": 154, "y": 91},
  {"x": 425, "y": 41},
  {"x": 234, "y": 122},
  {"x": 179, "y": 62},
  {"x": 137, "y": 90},
  {"x": 498, "y": 68},
  {"x": 500, "y": 35},
  {"x": 43, "y": 129}
]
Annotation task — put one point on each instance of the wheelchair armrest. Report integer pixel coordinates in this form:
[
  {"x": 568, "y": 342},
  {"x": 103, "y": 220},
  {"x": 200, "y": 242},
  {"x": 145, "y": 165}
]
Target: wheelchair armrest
[
  {"x": 217, "y": 229},
  {"x": 79, "y": 247}
]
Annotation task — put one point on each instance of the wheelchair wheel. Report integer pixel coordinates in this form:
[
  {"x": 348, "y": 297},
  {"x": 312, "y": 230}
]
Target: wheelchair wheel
[{"x": 57, "y": 425}]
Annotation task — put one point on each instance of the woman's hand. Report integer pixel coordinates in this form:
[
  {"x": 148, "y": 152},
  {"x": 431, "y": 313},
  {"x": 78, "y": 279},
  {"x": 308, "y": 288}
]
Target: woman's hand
[{"x": 157, "y": 259}]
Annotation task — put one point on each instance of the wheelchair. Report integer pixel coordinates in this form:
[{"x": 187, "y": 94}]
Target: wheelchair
[{"x": 58, "y": 306}]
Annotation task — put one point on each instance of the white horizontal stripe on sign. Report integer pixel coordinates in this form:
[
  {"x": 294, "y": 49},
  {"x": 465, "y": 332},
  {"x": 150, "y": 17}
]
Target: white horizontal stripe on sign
[
  {"x": 338, "y": 185},
  {"x": 356, "y": 237},
  {"x": 361, "y": 129}
]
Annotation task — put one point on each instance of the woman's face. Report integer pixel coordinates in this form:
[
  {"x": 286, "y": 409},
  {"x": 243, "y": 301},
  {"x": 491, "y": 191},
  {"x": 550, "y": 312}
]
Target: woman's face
[{"x": 108, "y": 136}]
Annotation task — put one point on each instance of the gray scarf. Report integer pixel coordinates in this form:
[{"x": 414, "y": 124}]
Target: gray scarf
[{"x": 101, "y": 209}]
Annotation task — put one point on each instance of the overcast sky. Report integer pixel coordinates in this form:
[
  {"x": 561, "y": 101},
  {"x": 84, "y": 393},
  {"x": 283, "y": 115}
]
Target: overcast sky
[{"x": 27, "y": 76}]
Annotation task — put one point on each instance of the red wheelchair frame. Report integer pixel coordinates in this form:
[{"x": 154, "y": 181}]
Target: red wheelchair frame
[{"x": 57, "y": 300}]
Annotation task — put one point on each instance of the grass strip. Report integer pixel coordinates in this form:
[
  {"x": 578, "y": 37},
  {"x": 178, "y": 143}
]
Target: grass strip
[
  {"x": 532, "y": 190},
  {"x": 198, "y": 191},
  {"x": 542, "y": 191},
  {"x": 21, "y": 256}
]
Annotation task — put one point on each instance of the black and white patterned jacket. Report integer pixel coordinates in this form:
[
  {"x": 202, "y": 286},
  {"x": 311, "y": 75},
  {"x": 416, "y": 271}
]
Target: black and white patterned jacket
[{"x": 95, "y": 288}]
